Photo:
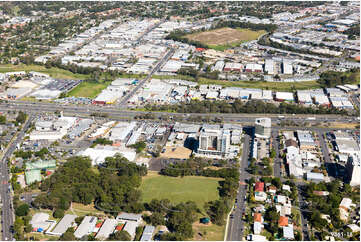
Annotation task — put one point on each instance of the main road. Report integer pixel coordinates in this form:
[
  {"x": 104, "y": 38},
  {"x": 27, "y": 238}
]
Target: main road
[
  {"x": 235, "y": 225},
  {"x": 7, "y": 212}
]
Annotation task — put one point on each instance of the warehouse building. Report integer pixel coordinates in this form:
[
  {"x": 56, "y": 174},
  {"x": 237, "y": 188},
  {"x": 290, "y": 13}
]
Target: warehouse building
[
  {"x": 252, "y": 67},
  {"x": 218, "y": 66},
  {"x": 284, "y": 97},
  {"x": 269, "y": 67},
  {"x": 122, "y": 131},
  {"x": 231, "y": 66},
  {"x": 287, "y": 67},
  {"x": 304, "y": 97}
]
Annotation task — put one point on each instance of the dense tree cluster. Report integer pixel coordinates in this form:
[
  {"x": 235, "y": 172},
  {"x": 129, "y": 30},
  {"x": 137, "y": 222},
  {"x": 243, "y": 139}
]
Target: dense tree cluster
[
  {"x": 262, "y": 167},
  {"x": 21, "y": 118},
  {"x": 252, "y": 106},
  {"x": 246, "y": 25},
  {"x": 114, "y": 185},
  {"x": 328, "y": 204},
  {"x": 353, "y": 32},
  {"x": 139, "y": 146},
  {"x": 178, "y": 218},
  {"x": 334, "y": 78},
  {"x": 198, "y": 167}
]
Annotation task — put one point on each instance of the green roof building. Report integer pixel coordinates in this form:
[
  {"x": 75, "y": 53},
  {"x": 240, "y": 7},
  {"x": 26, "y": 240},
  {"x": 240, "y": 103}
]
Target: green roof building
[
  {"x": 40, "y": 164},
  {"x": 32, "y": 176}
]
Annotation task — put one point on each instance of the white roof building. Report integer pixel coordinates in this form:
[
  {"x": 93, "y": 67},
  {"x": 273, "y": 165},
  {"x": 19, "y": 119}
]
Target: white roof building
[
  {"x": 98, "y": 154},
  {"x": 284, "y": 96},
  {"x": 107, "y": 229},
  {"x": 131, "y": 227},
  {"x": 86, "y": 226},
  {"x": 66, "y": 222}
]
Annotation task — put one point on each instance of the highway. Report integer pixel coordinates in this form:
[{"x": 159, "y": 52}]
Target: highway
[
  {"x": 116, "y": 112},
  {"x": 7, "y": 218},
  {"x": 235, "y": 226}
]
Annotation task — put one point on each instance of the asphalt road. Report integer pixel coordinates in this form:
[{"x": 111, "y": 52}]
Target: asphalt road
[
  {"x": 7, "y": 216},
  {"x": 236, "y": 226},
  {"x": 276, "y": 160},
  {"x": 165, "y": 58},
  {"x": 118, "y": 112}
]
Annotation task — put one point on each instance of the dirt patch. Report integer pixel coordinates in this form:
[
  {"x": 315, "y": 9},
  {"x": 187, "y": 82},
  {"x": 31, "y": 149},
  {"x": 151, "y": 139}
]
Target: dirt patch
[
  {"x": 224, "y": 36},
  {"x": 176, "y": 152}
]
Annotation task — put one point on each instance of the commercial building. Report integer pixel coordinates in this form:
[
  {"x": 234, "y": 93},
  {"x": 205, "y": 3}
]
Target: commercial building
[
  {"x": 40, "y": 222},
  {"x": 32, "y": 176},
  {"x": 147, "y": 233},
  {"x": 263, "y": 127},
  {"x": 86, "y": 227},
  {"x": 66, "y": 222},
  {"x": 214, "y": 142},
  {"x": 305, "y": 140},
  {"x": 347, "y": 146},
  {"x": 353, "y": 170},
  {"x": 315, "y": 177},
  {"x": 106, "y": 229},
  {"x": 99, "y": 153}
]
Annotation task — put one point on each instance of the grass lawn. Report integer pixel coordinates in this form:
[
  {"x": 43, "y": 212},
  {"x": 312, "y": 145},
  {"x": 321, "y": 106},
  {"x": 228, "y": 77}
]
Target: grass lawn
[
  {"x": 82, "y": 210},
  {"x": 53, "y": 72},
  {"x": 275, "y": 86},
  {"x": 88, "y": 89},
  {"x": 225, "y": 38},
  {"x": 210, "y": 232},
  {"x": 177, "y": 189}
]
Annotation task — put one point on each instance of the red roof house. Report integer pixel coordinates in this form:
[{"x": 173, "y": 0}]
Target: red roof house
[
  {"x": 259, "y": 187},
  {"x": 283, "y": 221}
]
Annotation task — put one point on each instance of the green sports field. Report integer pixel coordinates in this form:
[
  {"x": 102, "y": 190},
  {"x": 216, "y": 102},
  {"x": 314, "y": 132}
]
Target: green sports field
[{"x": 178, "y": 189}]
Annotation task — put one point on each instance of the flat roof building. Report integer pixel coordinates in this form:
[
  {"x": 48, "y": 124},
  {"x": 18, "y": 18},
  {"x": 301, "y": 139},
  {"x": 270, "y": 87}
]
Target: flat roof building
[
  {"x": 66, "y": 222},
  {"x": 86, "y": 226},
  {"x": 263, "y": 127}
]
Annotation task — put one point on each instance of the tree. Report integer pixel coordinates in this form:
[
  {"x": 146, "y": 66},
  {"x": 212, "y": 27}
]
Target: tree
[
  {"x": 68, "y": 235},
  {"x": 155, "y": 219},
  {"x": 217, "y": 211},
  {"x": 21, "y": 117},
  {"x": 272, "y": 154},
  {"x": 120, "y": 236},
  {"x": 58, "y": 213},
  {"x": 277, "y": 182},
  {"x": 2, "y": 119},
  {"x": 22, "y": 210}
]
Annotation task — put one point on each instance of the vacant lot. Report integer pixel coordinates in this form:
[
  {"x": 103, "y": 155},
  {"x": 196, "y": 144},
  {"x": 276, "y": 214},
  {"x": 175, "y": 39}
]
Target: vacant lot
[
  {"x": 53, "y": 72},
  {"x": 177, "y": 189},
  {"x": 176, "y": 152},
  {"x": 225, "y": 37},
  {"x": 88, "y": 89}
]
